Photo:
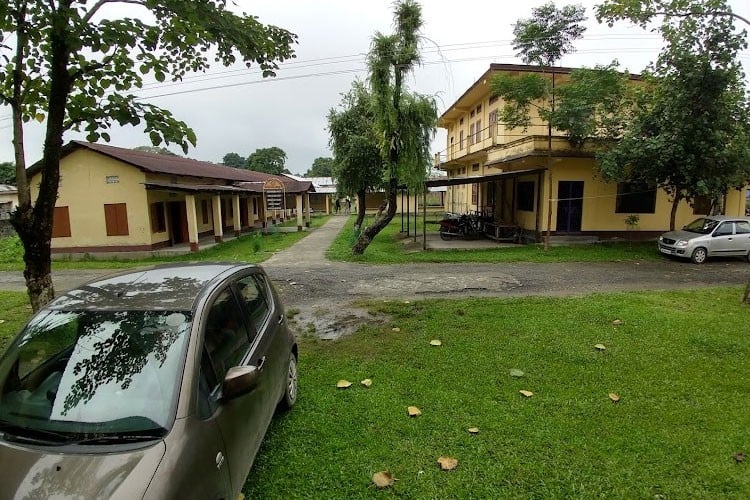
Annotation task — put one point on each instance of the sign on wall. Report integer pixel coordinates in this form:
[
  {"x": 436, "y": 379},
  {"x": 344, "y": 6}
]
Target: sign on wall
[{"x": 273, "y": 191}]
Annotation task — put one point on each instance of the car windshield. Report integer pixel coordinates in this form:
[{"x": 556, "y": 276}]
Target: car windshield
[
  {"x": 702, "y": 226},
  {"x": 87, "y": 374}
]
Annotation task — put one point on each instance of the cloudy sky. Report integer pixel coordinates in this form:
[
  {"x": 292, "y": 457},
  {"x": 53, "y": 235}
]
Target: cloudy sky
[{"x": 235, "y": 110}]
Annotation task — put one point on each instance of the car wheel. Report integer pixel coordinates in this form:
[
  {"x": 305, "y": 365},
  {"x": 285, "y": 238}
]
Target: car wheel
[
  {"x": 291, "y": 387},
  {"x": 699, "y": 255}
]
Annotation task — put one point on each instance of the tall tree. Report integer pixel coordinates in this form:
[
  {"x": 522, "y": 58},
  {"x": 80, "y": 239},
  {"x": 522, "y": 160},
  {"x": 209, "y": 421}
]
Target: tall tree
[
  {"x": 321, "y": 167},
  {"x": 234, "y": 160},
  {"x": 155, "y": 149},
  {"x": 268, "y": 160},
  {"x": 358, "y": 165},
  {"x": 404, "y": 121},
  {"x": 642, "y": 12},
  {"x": 691, "y": 131},
  {"x": 540, "y": 40},
  {"x": 71, "y": 64}
]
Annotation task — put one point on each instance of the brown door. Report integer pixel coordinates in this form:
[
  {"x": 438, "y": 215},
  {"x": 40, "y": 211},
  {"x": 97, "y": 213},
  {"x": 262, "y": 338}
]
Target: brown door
[
  {"x": 243, "y": 212},
  {"x": 178, "y": 224}
]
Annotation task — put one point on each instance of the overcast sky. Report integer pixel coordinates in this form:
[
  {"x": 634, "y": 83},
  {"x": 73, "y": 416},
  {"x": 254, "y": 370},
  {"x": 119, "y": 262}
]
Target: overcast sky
[{"x": 238, "y": 111}]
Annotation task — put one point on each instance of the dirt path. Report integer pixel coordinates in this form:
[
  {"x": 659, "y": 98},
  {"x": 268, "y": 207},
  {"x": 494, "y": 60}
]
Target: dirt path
[{"x": 323, "y": 291}]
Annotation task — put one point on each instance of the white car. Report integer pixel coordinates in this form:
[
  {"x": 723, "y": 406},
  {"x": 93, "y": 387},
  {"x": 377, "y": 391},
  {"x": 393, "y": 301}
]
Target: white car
[{"x": 710, "y": 236}]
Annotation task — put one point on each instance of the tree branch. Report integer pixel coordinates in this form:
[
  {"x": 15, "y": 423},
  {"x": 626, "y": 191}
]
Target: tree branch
[
  {"x": 98, "y": 5},
  {"x": 715, "y": 13}
]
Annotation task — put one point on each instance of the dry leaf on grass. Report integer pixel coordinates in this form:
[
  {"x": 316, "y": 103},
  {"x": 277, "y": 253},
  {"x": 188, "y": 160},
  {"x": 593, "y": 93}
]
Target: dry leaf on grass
[
  {"x": 414, "y": 411},
  {"x": 614, "y": 397},
  {"x": 447, "y": 463},
  {"x": 396, "y": 329},
  {"x": 383, "y": 479},
  {"x": 435, "y": 342},
  {"x": 600, "y": 347},
  {"x": 739, "y": 457},
  {"x": 473, "y": 430},
  {"x": 366, "y": 382},
  {"x": 343, "y": 384},
  {"x": 528, "y": 394},
  {"x": 617, "y": 322},
  {"x": 515, "y": 372}
]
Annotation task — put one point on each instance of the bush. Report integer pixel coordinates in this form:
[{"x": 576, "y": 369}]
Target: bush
[{"x": 11, "y": 249}]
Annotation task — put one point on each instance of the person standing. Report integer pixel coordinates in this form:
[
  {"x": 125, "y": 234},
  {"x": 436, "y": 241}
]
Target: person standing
[
  {"x": 347, "y": 205},
  {"x": 337, "y": 206}
]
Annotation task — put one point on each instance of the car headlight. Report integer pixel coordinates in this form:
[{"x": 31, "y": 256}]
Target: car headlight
[{"x": 681, "y": 243}]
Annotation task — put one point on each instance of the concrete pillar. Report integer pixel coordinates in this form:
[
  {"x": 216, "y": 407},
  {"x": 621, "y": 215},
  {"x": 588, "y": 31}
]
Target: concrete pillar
[
  {"x": 307, "y": 209},
  {"x": 328, "y": 205},
  {"x": 299, "y": 212},
  {"x": 236, "y": 219},
  {"x": 251, "y": 213},
  {"x": 218, "y": 219},
  {"x": 192, "y": 221}
]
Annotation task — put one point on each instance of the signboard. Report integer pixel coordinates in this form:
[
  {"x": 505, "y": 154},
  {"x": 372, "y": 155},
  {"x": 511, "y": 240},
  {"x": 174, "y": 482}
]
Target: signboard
[{"x": 273, "y": 190}]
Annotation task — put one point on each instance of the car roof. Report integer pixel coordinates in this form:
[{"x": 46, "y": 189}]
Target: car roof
[
  {"x": 173, "y": 287},
  {"x": 725, "y": 217}
]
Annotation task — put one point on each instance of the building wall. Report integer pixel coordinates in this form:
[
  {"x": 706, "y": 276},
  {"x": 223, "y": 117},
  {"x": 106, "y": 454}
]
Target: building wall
[{"x": 84, "y": 189}]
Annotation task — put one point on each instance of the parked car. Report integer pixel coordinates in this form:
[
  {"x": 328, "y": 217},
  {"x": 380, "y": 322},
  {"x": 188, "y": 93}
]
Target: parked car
[
  {"x": 155, "y": 383},
  {"x": 709, "y": 236}
]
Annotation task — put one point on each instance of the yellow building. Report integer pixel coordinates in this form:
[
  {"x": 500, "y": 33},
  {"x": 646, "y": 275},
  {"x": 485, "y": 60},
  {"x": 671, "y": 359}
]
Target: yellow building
[
  {"x": 502, "y": 173},
  {"x": 121, "y": 200}
]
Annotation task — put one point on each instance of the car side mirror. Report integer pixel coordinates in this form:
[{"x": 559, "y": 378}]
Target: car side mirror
[{"x": 239, "y": 380}]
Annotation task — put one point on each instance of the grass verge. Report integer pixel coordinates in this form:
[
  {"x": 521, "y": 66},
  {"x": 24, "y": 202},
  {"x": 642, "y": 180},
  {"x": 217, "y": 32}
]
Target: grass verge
[
  {"x": 389, "y": 247},
  {"x": 678, "y": 361},
  {"x": 254, "y": 248}
]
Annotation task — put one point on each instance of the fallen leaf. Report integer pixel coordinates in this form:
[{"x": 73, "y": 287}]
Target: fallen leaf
[
  {"x": 343, "y": 384},
  {"x": 617, "y": 322},
  {"x": 397, "y": 329},
  {"x": 473, "y": 430},
  {"x": 414, "y": 411},
  {"x": 435, "y": 342},
  {"x": 739, "y": 457},
  {"x": 528, "y": 394},
  {"x": 515, "y": 372},
  {"x": 383, "y": 479},
  {"x": 614, "y": 397},
  {"x": 366, "y": 382},
  {"x": 447, "y": 463},
  {"x": 406, "y": 302},
  {"x": 2, "y": 321},
  {"x": 600, "y": 347}
]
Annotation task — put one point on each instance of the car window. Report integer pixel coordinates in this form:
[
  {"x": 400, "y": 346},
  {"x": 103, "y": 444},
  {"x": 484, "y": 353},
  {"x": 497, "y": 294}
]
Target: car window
[
  {"x": 254, "y": 292},
  {"x": 742, "y": 227},
  {"x": 724, "y": 229},
  {"x": 226, "y": 341}
]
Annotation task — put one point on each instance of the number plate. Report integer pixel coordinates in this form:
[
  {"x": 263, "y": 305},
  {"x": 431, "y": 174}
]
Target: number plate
[{"x": 666, "y": 250}]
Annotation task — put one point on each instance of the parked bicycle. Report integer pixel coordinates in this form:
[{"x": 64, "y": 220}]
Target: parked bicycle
[{"x": 466, "y": 226}]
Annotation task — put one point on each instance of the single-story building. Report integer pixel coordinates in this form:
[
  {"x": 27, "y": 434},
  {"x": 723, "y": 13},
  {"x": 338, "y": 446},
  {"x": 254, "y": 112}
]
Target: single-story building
[{"x": 120, "y": 200}]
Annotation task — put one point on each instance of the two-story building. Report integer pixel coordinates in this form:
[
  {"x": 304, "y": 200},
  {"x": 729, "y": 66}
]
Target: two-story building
[
  {"x": 506, "y": 174},
  {"x": 113, "y": 199}
]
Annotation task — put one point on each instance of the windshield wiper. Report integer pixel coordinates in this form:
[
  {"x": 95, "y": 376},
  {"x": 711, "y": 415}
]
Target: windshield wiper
[
  {"x": 122, "y": 438},
  {"x": 15, "y": 432}
]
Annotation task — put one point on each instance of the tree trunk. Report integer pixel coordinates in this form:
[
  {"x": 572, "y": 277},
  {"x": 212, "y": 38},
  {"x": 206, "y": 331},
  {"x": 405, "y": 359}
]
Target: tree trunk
[
  {"x": 366, "y": 236},
  {"x": 673, "y": 213},
  {"x": 36, "y": 257},
  {"x": 360, "y": 209}
]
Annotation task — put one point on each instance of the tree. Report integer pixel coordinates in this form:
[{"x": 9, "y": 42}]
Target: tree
[
  {"x": 155, "y": 149},
  {"x": 234, "y": 160},
  {"x": 71, "y": 63},
  {"x": 358, "y": 165},
  {"x": 540, "y": 40},
  {"x": 642, "y": 12},
  {"x": 321, "y": 167},
  {"x": 7, "y": 173},
  {"x": 268, "y": 160},
  {"x": 690, "y": 133},
  {"x": 404, "y": 121}
]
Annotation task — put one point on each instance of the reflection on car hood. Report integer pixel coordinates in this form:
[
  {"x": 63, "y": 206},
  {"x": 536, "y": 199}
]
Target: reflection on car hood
[
  {"x": 37, "y": 473},
  {"x": 681, "y": 235}
]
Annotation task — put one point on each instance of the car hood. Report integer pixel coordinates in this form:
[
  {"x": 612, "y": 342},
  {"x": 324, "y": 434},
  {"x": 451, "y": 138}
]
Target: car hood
[
  {"x": 46, "y": 473},
  {"x": 681, "y": 235}
]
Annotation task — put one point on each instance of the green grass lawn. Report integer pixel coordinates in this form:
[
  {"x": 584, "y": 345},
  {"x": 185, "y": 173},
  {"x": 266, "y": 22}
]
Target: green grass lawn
[
  {"x": 388, "y": 248},
  {"x": 679, "y": 362},
  {"x": 255, "y": 248}
]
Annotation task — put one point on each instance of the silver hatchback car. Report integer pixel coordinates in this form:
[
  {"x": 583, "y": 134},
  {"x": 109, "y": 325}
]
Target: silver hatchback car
[{"x": 709, "y": 236}]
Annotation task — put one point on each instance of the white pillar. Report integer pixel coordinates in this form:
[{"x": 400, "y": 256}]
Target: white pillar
[
  {"x": 299, "y": 211},
  {"x": 192, "y": 221},
  {"x": 236, "y": 218},
  {"x": 218, "y": 222}
]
